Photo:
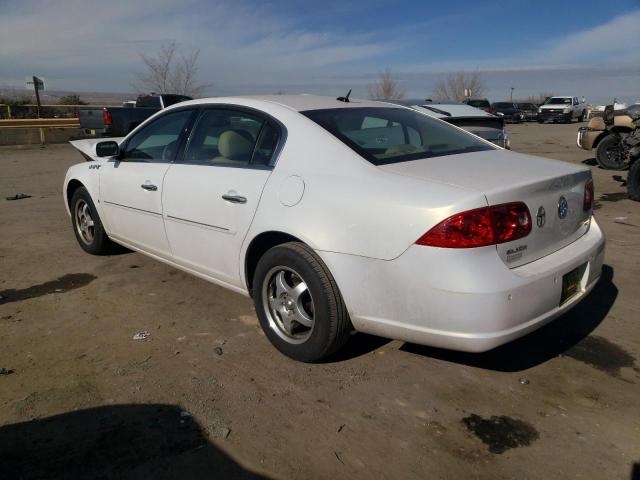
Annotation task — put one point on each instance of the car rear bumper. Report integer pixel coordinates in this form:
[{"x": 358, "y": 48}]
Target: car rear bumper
[{"x": 462, "y": 299}]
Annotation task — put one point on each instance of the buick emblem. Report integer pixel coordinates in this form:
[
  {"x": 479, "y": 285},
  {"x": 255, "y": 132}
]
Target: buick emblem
[
  {"x": 541, "y": 217},
  {"x": 563, "y": 207}
]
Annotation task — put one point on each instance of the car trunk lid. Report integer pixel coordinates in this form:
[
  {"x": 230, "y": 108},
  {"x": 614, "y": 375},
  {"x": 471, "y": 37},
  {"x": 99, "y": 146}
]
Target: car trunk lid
[{"x": 552, "y": 190}]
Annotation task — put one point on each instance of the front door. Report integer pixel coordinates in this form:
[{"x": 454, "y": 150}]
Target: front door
[
  {"x": 211, "y": 195},
  {"x": 131, "y": 184}
]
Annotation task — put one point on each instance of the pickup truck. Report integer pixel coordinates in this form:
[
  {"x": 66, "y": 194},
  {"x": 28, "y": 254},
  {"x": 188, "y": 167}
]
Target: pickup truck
[
  {"x": 119, "y": 121},
  {"x": 562, "y": 109}
]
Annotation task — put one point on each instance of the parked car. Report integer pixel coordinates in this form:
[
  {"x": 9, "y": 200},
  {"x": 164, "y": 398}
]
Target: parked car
[
  {"x": 509, "y": 111},
  {"x": 481, "y": 103},
  {"x": 480, "y": 123},
  {"x": 118, "y": 121},
  {"x": 530, "y": 111},
  {"x": 606, "y": 134},
  {"x": 562, "y": 109},
  {"x": 337, "y": 216}
]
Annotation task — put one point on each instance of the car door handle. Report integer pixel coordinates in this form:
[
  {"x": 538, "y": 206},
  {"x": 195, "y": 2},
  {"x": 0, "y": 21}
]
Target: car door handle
[
  {"x": 235, "y": 198},
  {"x": 148, "y": 186}
]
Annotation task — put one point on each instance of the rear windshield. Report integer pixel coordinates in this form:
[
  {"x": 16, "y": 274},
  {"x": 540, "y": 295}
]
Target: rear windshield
[
  {"x": 502, "y": 105},
  {"x": 173, "y": 99},
  {"x": 384, "y": 135},
  {"x": 479, "y": 103},
  {"x": 148, "y": 101}
]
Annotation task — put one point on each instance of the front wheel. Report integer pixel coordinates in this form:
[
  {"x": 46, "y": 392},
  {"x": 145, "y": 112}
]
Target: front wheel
[
  {"x": 609, "y": 154},
  {"x": 298, "y": 303},
  {"x": 87, "y": 225},
  {"x": 633, "y": 181}
]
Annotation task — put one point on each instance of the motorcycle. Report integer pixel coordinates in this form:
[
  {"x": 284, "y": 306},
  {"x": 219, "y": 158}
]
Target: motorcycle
[
  {"x": 612, "y": 152},
  {"x": 632, "y": 146}
]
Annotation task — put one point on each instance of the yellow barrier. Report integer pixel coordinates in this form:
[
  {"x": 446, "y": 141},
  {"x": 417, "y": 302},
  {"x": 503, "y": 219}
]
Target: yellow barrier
[
  {"x": 40, "y": 123},
  {"x": 10, "y": 129}
]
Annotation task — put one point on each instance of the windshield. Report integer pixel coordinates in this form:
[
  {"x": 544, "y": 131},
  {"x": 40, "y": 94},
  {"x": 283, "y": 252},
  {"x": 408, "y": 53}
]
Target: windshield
[
  {"x": 384, "y": 135},
  {"x": 558, "y": 101},
  {"x": 479, "y": 103},
  {"x": 502, "y": 105}
]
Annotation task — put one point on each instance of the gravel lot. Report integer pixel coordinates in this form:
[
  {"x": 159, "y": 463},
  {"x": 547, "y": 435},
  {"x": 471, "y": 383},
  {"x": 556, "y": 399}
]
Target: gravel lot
[{"x": 206, "y": 396}]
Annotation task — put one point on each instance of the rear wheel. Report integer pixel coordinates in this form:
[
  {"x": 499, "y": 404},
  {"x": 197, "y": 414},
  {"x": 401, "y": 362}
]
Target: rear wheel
[
  {"x": 87, "y": 225},
  {"x": 633, "y": 181},
  {"x": 298, "y": 303},
  {"x": 609, "y": 154},
  {"x": 583, "y": 116}
]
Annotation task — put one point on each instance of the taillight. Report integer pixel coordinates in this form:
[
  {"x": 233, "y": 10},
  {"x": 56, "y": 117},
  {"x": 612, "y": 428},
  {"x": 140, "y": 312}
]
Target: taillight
[
  {"x": 106, "y": 117},
  {"x": 587, "y": 201},
  {"x": 480, "y": 227}
]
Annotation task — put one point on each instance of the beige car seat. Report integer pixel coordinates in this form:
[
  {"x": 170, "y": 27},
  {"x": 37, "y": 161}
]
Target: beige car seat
[{"x": 234, "y": 147}]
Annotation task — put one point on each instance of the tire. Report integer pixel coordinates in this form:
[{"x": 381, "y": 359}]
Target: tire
[
  {"x": 633, "y": 181},
  {"x": 280, "y": 302},
  {"x": 87, "y": 225},
  {"x": 540, "y": 120},
  {"x": 583, "y": 116},
  {"x": 609, "y": 153}
]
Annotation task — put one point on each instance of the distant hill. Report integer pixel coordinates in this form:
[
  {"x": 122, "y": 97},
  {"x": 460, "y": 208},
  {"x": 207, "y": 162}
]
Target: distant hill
[{"x": 50, "y": 97}]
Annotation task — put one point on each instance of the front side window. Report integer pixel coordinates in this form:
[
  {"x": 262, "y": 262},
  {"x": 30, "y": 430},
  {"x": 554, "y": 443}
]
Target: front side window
[
  {"x": 159, "y": 139},
  {"x": 231, "y": 138},
  {"x": 401, "y": 134}
]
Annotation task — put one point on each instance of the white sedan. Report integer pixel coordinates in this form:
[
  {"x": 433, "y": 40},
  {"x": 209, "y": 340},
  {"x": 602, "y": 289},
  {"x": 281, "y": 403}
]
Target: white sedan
[{"x": 339, "y": 216}]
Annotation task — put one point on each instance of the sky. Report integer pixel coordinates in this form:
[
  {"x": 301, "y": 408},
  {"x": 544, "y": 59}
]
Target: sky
[{"x": 586, "y": 47}]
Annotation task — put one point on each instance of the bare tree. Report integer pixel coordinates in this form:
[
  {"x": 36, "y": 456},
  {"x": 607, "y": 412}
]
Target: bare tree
[
  {"x": 453, "y": 86},
  {"x": 386, "y": 88},
  {"x": 539, "y": 100},
  {"x": 171, "y": 70}
]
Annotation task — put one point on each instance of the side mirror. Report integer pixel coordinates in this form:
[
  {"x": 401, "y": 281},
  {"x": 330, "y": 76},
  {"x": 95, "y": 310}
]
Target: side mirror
[{"x": 107, "y": 149}]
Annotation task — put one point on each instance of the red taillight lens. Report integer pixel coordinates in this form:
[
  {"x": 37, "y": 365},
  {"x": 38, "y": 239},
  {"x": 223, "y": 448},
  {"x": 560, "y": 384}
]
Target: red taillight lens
[
  {"x": 587, "y": 202},
  {"x": 480, "y": 227},
  {"x": 106, "y": 117}
]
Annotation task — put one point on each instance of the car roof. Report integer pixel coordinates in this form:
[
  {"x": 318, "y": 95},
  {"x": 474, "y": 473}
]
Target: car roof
[
  {"x": 451, "y": 110},
  {"x": 299, "y": 103}
]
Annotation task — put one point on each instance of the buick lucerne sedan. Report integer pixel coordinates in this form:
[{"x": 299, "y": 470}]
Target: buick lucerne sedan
[{"x": 337, "y": 216}]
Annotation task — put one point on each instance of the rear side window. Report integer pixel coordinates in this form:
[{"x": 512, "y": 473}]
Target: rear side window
[
  {"x": 231, "y": 138},
  {"x": 386, "y": 135}
]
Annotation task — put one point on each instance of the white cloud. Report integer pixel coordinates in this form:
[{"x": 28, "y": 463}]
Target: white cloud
[
  {"x": 618, "y": 38},
  {"x": 239, "y": 42}
]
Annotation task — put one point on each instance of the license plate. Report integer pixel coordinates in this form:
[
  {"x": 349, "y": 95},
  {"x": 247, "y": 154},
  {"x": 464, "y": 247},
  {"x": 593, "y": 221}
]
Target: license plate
[
  {"x": 571, "y": 283},
  {"x": 93, "y": 132}
]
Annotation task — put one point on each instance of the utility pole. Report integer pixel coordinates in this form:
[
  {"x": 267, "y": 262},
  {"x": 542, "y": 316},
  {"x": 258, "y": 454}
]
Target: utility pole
[
  {"x": 512, "y": 94},
  {"x": 36, "y": 82}
]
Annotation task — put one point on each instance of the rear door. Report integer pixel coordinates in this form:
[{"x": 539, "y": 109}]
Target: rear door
[
  {"x": 131, "y": 185},
  {"x": 210, "y": 197}
]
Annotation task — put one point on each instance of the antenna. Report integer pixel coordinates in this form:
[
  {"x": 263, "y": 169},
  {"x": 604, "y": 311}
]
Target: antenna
[{"x": 344, "y": 99}]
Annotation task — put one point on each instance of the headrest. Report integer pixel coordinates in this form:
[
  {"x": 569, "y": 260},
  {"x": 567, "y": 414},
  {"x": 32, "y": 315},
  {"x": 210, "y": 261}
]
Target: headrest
[{"x": 234, "y": 146}]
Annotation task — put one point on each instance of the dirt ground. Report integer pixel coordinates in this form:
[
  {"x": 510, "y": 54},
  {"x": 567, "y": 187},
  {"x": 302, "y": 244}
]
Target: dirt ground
[{"x": 206, "y": 396}]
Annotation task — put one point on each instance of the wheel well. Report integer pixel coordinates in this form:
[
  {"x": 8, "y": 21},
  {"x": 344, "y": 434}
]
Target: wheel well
[
  {"x": 258, "y": 247},
  {"x": 71, "y": 188},
  {"x": 599, "y": 139}
]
